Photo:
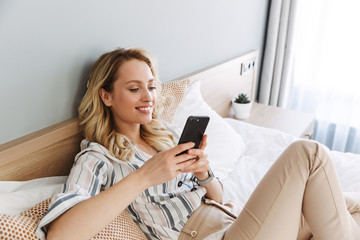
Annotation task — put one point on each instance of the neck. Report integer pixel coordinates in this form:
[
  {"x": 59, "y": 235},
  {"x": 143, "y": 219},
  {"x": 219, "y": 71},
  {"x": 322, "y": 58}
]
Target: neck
[{"x": 131, "y": 132}]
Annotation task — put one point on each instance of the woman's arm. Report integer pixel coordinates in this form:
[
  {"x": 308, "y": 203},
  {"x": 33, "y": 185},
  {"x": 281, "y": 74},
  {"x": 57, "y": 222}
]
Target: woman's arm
[
  {"x": 214, "y": 189},
  {"x": 87, "y": 218}
]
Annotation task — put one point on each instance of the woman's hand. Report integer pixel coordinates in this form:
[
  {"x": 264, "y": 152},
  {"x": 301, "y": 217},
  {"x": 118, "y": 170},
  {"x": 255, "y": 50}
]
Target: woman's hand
[
  {"x": 201, "y": 165},
  {"x": 165, "y": 165}
]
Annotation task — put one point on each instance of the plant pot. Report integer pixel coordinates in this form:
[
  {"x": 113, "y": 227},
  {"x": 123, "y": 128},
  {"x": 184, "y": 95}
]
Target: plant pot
[{"x": 242, "y": 110}]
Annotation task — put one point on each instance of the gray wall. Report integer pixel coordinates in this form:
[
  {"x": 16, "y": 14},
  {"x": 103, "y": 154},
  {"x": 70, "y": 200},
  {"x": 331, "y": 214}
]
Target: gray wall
[{"x": 46, "y": 47}]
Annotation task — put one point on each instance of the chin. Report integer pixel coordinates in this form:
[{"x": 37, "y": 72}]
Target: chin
[
  {"x": 146, "y": 121},
  {"x": 149, "y": 121}
]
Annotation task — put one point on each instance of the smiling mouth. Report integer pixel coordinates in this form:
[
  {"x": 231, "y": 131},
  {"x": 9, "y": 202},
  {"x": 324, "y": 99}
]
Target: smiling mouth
[{"x": 144, "y": 108}]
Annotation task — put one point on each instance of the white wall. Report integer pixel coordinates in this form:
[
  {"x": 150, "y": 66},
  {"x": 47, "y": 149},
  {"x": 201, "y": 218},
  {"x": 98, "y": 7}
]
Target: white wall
[{"x": 46, "y": 47}]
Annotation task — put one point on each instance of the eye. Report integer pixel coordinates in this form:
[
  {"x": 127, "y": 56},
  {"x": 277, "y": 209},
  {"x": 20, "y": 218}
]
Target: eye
[
  {"x": 134, "y": 89},
  {"x": 152, "y": 88}
]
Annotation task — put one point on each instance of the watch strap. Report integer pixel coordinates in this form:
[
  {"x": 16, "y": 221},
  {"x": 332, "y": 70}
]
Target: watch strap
[{"x": 209, "y": 179}]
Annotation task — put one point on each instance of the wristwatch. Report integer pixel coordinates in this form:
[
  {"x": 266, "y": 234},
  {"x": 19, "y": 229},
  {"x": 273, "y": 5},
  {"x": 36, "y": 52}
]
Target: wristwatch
[{"x": 206, "y": 181}]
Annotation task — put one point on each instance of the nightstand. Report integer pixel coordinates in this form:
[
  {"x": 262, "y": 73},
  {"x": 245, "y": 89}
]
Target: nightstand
[{"x": 299, "y": 124}]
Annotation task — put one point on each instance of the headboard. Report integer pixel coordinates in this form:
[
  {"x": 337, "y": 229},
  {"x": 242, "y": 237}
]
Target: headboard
[
  {"x": 222, "y": 82},
  {"x": 48, "y": 152},
  {"x": 51, "y": 151}
]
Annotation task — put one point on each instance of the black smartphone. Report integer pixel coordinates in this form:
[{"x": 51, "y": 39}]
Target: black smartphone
[{"x": 194, "y": 130}]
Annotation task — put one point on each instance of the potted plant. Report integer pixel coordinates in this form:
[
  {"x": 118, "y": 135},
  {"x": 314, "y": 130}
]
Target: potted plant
[{"x": 242, "y": 106}]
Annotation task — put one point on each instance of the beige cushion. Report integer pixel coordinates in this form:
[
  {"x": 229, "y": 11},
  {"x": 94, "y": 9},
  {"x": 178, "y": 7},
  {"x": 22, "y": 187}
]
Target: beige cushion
[
  {"x": 23, "y": 226},
  {"x": 172, "y": 93}
]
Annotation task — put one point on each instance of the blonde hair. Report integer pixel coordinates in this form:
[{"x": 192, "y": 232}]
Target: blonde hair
[{"x": 96, "y": 118}]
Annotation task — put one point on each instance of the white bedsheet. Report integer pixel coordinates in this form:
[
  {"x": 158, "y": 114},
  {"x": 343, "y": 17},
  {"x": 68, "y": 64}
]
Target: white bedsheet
[{"x": 263, "y": 146}]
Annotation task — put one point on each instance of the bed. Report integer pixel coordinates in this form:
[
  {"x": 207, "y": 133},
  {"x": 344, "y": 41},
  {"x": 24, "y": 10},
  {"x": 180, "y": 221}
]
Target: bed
[{"x": 34, "y": 167}]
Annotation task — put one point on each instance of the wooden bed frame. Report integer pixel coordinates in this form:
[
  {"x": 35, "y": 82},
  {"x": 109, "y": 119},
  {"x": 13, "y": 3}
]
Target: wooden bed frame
[{"x": 51, "y": 151}]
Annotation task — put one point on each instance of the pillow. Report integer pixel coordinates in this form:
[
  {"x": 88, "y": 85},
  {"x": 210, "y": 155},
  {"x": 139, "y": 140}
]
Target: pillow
[
  {"x": 225, "y": 146},
  {"x": 23, "y": 226},
  {"x": 172, "y": 93},
  {"x": 17, "y": 196}
]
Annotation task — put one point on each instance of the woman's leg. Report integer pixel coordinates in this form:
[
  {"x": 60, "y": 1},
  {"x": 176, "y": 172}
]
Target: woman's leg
[{"x": 301, "y": 181}]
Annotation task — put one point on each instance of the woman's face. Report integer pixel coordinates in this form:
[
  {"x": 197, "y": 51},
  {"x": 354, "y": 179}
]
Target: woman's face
[{"x": 133, "y": 97}]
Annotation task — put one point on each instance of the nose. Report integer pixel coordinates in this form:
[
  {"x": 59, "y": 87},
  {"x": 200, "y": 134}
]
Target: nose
[{"x": 147, "y": 96}]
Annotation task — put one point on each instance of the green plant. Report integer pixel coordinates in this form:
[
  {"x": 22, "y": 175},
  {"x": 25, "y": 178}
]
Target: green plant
[{"x": 242, "y": 98}]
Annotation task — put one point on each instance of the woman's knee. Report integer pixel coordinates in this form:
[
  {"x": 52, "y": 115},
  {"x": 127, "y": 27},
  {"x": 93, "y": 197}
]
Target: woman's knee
[
  {"x": 307, "y": 146},
  {"x": 309, "y": 150}
]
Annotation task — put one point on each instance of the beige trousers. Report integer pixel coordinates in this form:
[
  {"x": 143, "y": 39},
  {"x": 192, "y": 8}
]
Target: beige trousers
[{"x": 300, "y": 189}]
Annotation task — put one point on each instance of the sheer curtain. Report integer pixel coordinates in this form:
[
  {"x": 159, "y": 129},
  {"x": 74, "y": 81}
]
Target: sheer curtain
[
  {"x": 278, "y": 53},
  {"x": 326, "y": 70}
]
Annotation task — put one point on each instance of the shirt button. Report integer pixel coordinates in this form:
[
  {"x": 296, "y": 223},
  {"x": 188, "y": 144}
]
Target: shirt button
[
  {"x": 193, "y": 233},
  {"x": 180, "y": 183}
]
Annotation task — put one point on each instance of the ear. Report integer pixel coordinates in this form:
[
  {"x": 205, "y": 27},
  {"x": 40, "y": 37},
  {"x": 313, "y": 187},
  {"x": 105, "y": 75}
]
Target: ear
[{"x": 105, "y": 97}]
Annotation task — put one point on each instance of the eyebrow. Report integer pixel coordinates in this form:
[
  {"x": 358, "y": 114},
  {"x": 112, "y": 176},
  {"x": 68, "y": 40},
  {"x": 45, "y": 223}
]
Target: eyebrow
[{"x": 138, "y": 81}]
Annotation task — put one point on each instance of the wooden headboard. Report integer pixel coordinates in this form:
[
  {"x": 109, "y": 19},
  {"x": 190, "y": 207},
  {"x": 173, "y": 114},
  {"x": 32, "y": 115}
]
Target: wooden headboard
[
  {"x": 51, "y": 151},
  {"x": 45, "y": 153}
]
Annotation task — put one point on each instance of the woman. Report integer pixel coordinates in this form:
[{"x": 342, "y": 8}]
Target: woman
[{"x": 129, "y": 160}]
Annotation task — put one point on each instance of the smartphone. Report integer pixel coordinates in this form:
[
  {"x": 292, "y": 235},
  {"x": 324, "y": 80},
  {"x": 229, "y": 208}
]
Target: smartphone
[{"x": 194, "y": 130}]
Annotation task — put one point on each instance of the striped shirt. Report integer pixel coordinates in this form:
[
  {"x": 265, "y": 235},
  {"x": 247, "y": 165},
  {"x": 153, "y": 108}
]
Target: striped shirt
[{"x": 160, "y": 211}]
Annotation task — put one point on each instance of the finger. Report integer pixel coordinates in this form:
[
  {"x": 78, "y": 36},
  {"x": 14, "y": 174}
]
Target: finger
[
  {"x": 200, "y": 153},
  {"x": 185, "y": 164},
  {"x": 191, "y": 167},
  {"x": 203, "y": 142},
  {"x": 197, "y": 166},
  {"x": 182, "y": 147},
  {"x": 184, "y": 157}
]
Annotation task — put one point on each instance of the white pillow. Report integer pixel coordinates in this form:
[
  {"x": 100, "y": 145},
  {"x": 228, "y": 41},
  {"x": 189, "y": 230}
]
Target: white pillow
[
  {"x": 17, "y": 196},
  {"x": 225, "y": 146}
]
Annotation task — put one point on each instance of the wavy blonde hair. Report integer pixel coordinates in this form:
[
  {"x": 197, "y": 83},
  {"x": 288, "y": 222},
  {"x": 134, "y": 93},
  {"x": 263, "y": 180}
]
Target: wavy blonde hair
[{"x": 96, "y": 118}]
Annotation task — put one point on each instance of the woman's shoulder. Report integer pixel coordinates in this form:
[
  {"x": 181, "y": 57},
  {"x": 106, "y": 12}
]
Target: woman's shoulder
[
  {"x": 94, "y": 150},
  {"x": 87, "y": 146}
]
